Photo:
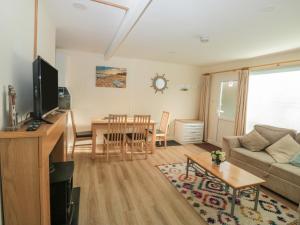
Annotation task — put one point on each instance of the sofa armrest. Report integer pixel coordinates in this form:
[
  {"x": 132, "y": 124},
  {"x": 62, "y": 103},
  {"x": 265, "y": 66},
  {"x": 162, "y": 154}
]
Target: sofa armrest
[
  {"x": 229, "y": 143},
  {"x": 299, "y": 214}
]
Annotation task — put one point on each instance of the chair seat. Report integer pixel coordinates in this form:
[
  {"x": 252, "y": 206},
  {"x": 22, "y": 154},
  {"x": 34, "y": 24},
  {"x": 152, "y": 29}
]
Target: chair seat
[
  {"x": 130, "y": 136},
  {"x": 114, "y": 137},
  {"x": 84, "y": 134}
]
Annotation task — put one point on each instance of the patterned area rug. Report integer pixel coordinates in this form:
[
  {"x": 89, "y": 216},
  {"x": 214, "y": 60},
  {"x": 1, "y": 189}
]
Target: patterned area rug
[{"x": 209, "y": 198}]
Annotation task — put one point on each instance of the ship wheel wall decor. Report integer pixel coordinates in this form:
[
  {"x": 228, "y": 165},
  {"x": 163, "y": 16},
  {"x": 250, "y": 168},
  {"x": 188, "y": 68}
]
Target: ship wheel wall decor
[{"x": 159, "y": 83}]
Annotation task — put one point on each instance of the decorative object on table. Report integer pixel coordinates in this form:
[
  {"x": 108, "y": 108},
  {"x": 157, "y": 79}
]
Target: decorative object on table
[
  {"x": 64, "y": 98},
  {"x": 208, "y": 197},
  {"x": 12, "y": 113},
  {"x": 159, "y": 83},
  {"x": 111, "y": 77},
  {"x": 218, "y": 157}
]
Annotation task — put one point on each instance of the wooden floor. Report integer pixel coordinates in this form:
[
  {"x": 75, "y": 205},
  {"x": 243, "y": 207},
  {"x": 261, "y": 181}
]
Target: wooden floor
[{"x": 134, "y": 192}]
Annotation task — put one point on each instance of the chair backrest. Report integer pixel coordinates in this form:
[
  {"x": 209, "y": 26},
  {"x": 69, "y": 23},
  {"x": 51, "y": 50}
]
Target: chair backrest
[
  {"x": 117, "y": 125},
  {"x": 141, "y": 125},
  {"x": 73, "y": 123},
  {"x": 164, "y": 122}
]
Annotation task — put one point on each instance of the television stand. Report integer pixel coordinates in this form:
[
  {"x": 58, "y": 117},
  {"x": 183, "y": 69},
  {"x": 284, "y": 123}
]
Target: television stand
[
  {"x": 24, "y": 159},
  {"x": 35, "y": 124},
  {"x": 60, "y": 111},
  {"x": 45, "y": 121}
]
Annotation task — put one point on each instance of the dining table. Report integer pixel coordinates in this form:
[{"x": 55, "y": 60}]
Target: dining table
[{"x": 102, "y": 124}]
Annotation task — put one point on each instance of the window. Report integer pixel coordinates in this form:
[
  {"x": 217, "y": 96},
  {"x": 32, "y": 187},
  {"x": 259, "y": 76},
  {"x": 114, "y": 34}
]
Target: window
[
  {"x": 274, "y": 98},
  {"x": 228, "y": 98}
]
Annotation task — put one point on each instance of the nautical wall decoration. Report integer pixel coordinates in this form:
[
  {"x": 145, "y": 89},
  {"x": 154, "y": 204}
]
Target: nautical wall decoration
[{"x": 159, "y": 83}]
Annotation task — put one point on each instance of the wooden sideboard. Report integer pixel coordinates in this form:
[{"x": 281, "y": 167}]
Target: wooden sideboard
[
  {"x": 188, "y": 131},
  {"x": 24, "y": 164}
]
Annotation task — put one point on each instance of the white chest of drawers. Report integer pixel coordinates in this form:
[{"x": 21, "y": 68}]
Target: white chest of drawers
[{"x": 188, "y": 131}]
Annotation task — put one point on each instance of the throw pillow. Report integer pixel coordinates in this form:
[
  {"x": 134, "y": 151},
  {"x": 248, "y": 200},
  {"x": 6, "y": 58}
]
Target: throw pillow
[
  {"x": 254, "y": 141},
  {"x": 284, "y": 149},
  {"x": 295, "y": 161}
]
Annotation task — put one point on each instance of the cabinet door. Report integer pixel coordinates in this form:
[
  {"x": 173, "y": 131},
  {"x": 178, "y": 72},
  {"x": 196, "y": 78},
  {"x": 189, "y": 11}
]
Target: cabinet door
[{"x": 20, "y": 181}]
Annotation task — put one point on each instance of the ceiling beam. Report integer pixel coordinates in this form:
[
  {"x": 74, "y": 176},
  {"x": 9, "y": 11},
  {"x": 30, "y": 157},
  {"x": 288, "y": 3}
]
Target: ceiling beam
[
  {"x": 111, "y": 4},
  {"x": 131, "y": 18}
]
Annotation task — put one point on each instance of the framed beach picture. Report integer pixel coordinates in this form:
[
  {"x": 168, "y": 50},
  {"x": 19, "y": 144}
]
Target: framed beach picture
[{"x": 111, "y": 77}]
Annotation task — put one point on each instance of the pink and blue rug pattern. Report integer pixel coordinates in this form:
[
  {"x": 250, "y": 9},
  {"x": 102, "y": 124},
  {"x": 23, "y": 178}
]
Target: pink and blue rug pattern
[{"x": 209, "y": 198}]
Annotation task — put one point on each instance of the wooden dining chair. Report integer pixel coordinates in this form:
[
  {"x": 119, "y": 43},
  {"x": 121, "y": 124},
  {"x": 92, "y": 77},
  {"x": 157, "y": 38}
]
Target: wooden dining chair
[
  {"x": 137, "y": 138},
  {"x": 79, "y": 136},
  {"x": 162, "y": 131},
  {"x": 115, "y": 136}
]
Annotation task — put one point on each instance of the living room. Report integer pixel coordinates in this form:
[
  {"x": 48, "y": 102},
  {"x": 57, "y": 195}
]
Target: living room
[{"x": 150, "y": 112}]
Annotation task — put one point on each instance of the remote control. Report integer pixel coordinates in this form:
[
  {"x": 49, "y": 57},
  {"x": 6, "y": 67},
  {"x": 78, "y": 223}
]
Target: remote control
[{"x": 34, "y": 125}]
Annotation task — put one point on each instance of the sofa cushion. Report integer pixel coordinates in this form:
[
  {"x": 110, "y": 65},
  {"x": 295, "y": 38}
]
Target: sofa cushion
[
  {"x": 284, "y": 149},
  {"x": 254, "y": 141},
  {"x": 261, "y": 159},
  {"x": 273, "y": 134},
  {"x": 286, "y": 172}
]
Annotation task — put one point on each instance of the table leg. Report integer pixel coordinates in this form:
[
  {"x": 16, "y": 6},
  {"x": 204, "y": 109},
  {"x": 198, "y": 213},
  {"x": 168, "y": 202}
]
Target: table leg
[
  {"x": 187, "y": 168},
  {"x": 233, "y": 201},
  {"x": 153, "y": 138},
  {"x": 94, "y": 142},
  {"x": 226, "y": 188},
  {"x": 256, "y": 197}
]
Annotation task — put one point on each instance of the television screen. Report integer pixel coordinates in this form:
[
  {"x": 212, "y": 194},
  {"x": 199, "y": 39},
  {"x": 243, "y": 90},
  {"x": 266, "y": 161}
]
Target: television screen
[{"x": 45, "y": 79}]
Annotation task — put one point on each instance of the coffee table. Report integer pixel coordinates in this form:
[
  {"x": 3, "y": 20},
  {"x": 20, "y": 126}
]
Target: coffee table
[{"x": 232, "y": 176}]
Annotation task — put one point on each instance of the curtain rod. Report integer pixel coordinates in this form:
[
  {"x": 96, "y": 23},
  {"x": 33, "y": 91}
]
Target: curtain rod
[{"x": 254, "y": 67}]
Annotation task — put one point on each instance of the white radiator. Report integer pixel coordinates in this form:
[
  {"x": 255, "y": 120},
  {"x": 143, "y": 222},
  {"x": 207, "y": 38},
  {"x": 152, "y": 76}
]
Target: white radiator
[{"x": 188, "y": 131}]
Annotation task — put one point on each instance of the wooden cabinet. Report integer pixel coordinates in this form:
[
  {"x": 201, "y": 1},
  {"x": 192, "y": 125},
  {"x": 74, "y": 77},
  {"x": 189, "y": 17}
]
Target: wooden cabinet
[
  {"x": 24, "y": 158},
  {"x": 188, "y": 131}
]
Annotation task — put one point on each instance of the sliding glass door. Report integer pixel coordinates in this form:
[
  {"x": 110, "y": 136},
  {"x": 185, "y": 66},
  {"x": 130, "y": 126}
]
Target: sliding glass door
[
  {"x": 222, "y": 107},
  {"x": 274, "y": 98}
]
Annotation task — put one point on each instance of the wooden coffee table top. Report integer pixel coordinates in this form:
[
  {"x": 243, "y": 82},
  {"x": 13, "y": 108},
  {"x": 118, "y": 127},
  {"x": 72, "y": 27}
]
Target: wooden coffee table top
[{"x": 227, "y": 172}]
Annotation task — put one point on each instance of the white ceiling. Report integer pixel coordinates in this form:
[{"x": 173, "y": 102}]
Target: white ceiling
[
  {"x": 169, "y": 30},
  {"x": 91, "y": 29}
]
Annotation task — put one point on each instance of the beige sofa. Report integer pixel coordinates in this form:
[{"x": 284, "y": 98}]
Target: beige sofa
[{"x": 281, "y": 178}]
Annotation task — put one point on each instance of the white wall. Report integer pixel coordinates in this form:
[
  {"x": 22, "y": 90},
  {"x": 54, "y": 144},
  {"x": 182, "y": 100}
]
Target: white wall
[
  {"x": 272, "y": 58},
  {"x": 16, "y": 55},
  {"x": 89, "y": 101},
  {"x": 46, "y": 34}
]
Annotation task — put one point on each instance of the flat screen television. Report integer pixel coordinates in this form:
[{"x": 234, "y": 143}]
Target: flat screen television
[{"x": 45, "y": 88}]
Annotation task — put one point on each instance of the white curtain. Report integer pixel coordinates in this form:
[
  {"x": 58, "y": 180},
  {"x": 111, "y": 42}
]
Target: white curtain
[
  {"x": 204, "y": 103},
  {"x": 241, "y": 106}
]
